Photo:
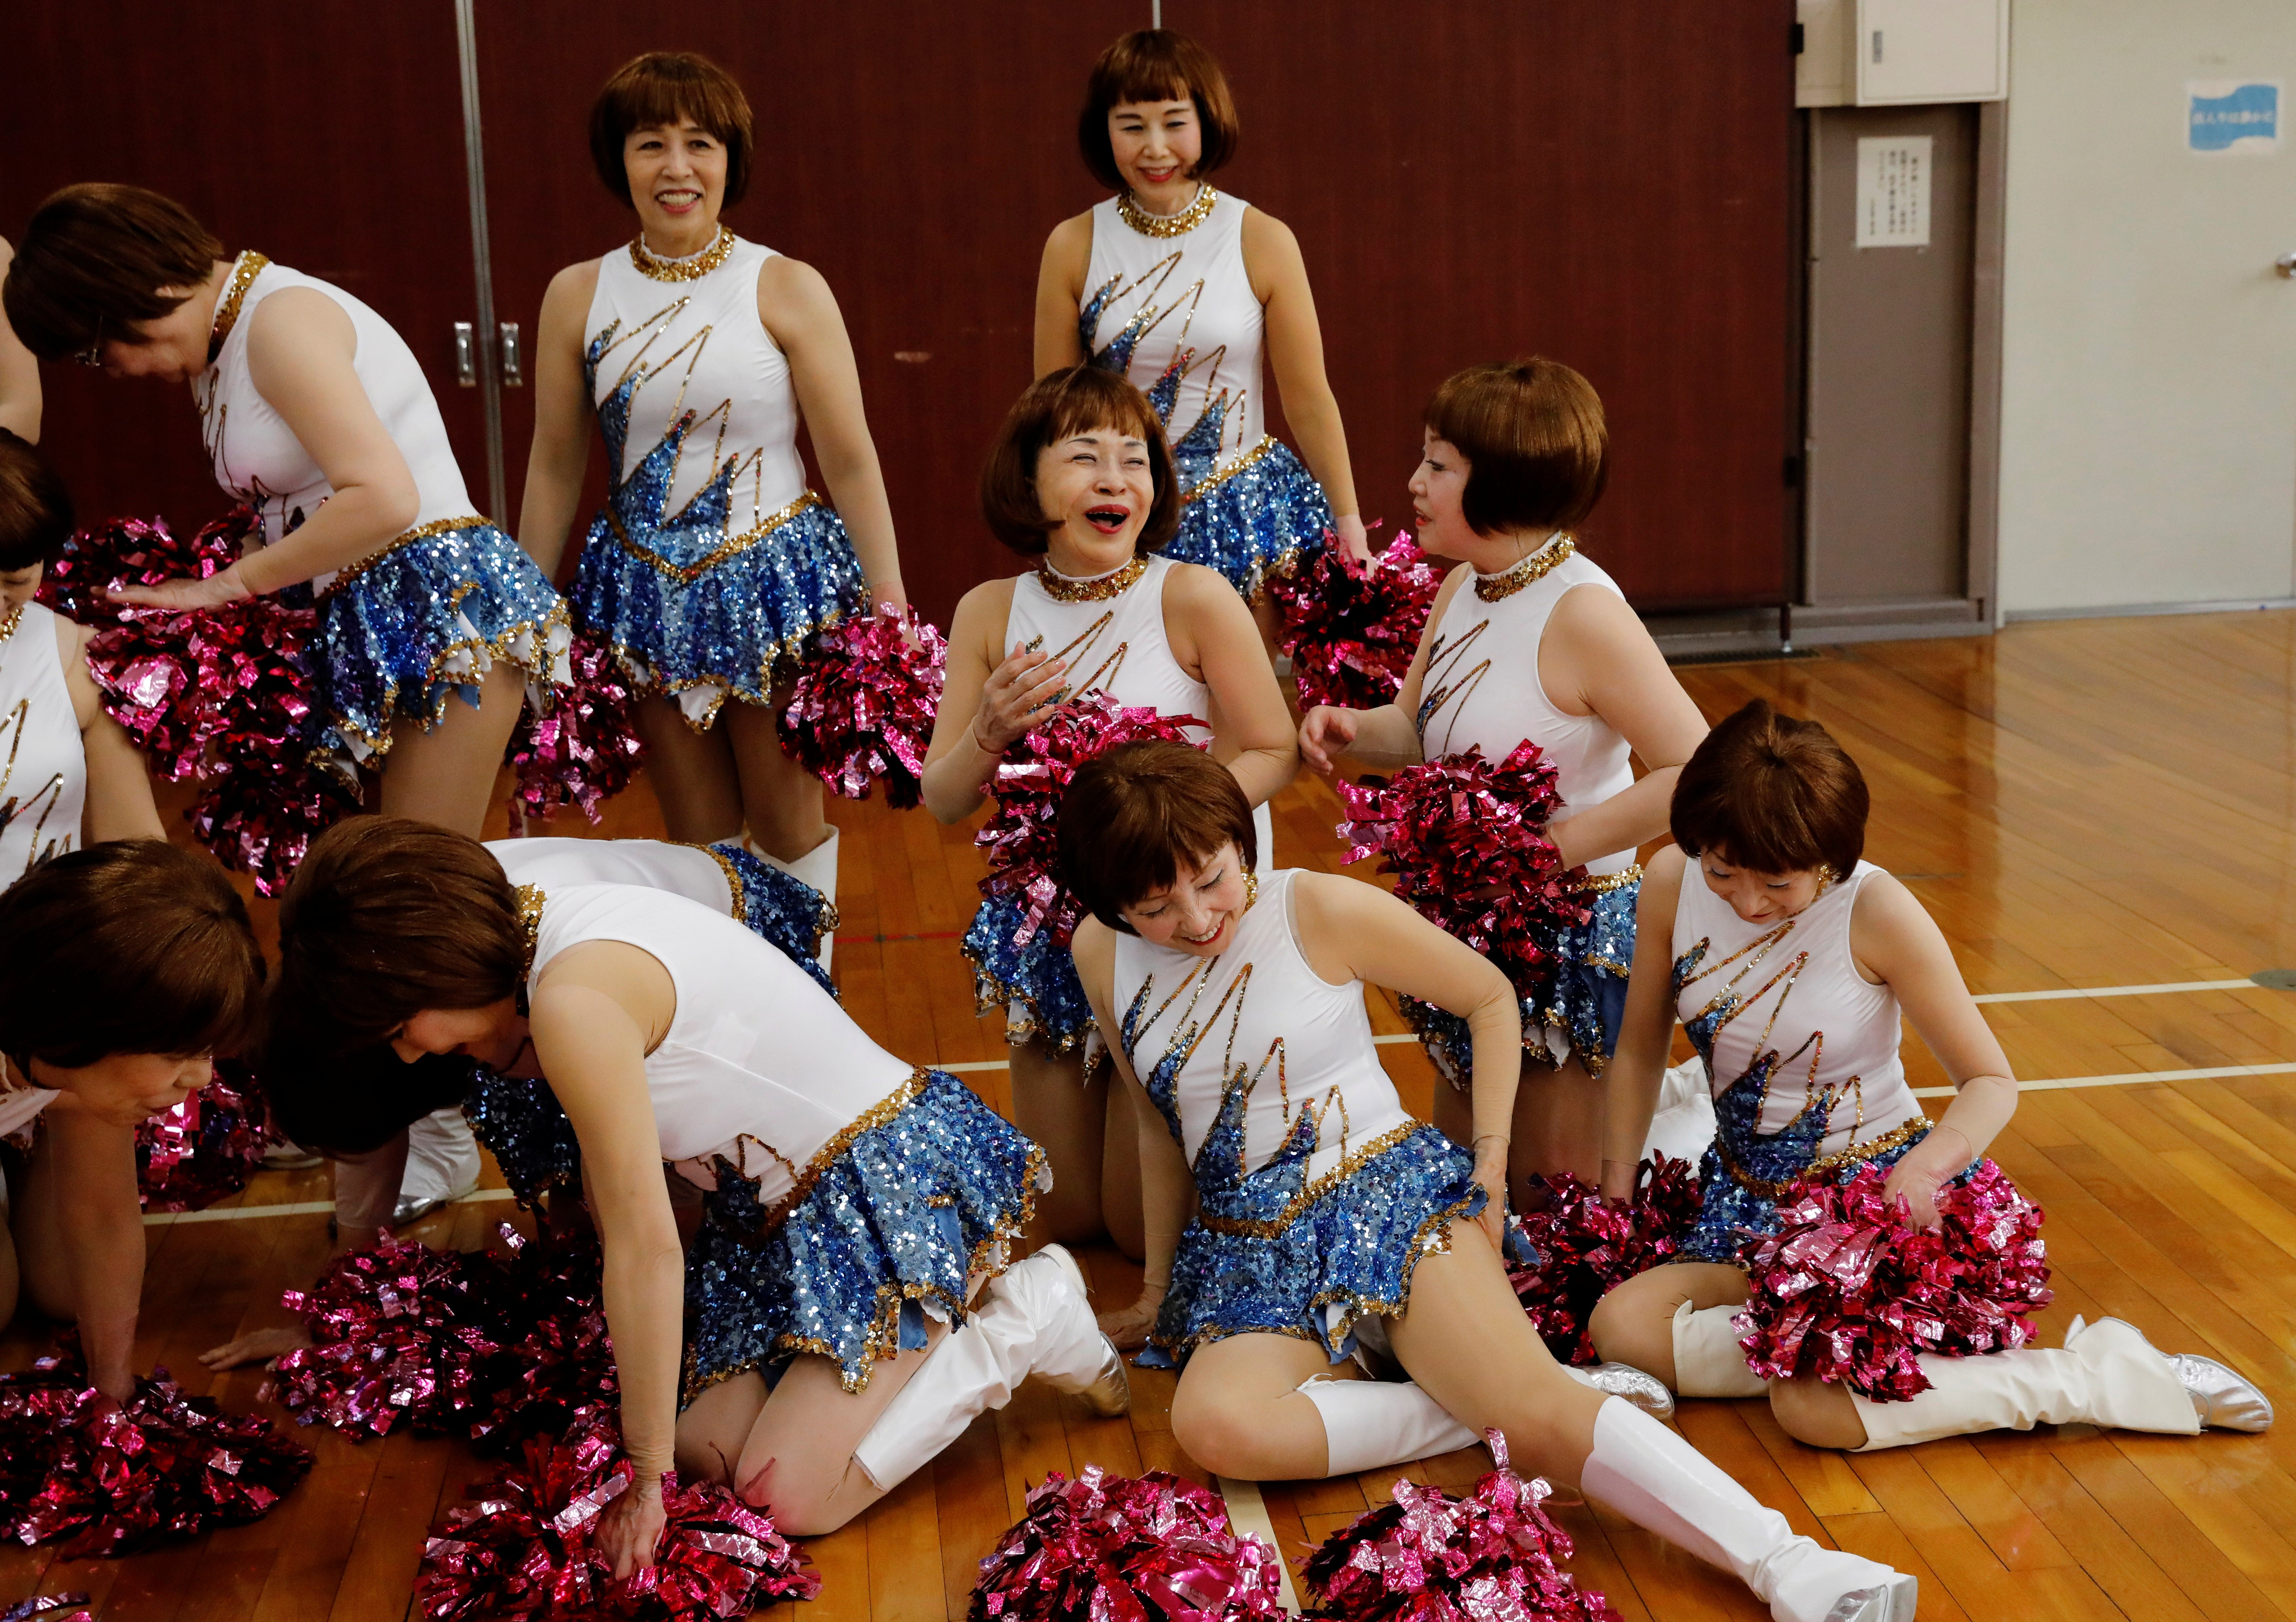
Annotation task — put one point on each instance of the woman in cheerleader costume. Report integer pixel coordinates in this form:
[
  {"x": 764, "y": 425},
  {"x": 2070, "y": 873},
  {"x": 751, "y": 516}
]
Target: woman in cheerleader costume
[
  {"x": 1081, "y": 480},
  {"x": 1789, "y": 960},
  {"x": 1328, "y": 1223},
  {"x": 1529, "y": 639},
  {"x": 712, "y": 565},
  {"x": 124, "y": 969},
  {"x": 1180, "y": 288},
  {"x": 316, "y": 415},
  {"x": 20, "y": 373},
  {"x": 857, "y": 1205}
]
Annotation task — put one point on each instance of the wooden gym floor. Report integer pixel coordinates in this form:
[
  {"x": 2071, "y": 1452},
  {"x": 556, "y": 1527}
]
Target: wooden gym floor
[{"x": 2099, "y": 805}]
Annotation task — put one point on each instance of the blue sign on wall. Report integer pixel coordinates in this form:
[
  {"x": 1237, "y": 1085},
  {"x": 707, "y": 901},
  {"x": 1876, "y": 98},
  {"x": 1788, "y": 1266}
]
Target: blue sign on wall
[{"x": 2227, "y": 115}]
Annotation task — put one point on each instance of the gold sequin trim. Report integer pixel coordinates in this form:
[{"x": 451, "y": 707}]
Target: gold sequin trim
[
  {"x": 249, "y": 266},
  {"x": 1100, "y": 589},
  {"x": 8, "y": 626},
  {"x": 1602, "y": 883},
  {"x": 823, "y": 922},
  {"x": 732, "y": 547},
  {"x": 701, "y": 264},
  {"x": 1906, "y": 1132},
  {"x": 1497, "y": 588},
  {"x": 877, "y": 1115},
  {"x": 1245, "y": 463},
  {"x": 437, "y": 526},
  {"x": 991, "y": 995},
  {"x": 1163, "y": 226}
]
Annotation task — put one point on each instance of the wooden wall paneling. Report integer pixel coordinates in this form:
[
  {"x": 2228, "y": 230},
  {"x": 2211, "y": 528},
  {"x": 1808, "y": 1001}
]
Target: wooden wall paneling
[
  {"x": 1605, "y": 184},
  {"x": 329, "y": 137}
]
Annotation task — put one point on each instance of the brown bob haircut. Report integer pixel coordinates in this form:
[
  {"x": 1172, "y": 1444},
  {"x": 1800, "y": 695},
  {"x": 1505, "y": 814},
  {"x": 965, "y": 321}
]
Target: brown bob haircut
[
  {"x": 1131, "y": 815},
  {"x": 93, "y": 261},
  {"x": 1772, "y": 794},
  {"x": 1155, "y": 65},
  {"x": 1054, "y": 407},
  {"x": 387, "y": 917},
  {"x": 36, "y": 509},
  {"x": 1532, "y": 432},
  {"x": 129, "y": 946},
  {"x": 665, "y": 88}
]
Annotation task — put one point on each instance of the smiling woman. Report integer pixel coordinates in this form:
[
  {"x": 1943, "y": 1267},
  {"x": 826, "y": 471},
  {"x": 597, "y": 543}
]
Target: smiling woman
[{"x": 699, "y": 354}]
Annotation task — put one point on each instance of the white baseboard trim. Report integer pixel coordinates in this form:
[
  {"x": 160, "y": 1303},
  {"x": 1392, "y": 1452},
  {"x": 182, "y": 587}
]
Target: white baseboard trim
[{"x": 2123, "y": 611}]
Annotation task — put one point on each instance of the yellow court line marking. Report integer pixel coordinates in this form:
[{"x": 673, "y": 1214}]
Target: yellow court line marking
[{"x": 1247, "y": 1511}]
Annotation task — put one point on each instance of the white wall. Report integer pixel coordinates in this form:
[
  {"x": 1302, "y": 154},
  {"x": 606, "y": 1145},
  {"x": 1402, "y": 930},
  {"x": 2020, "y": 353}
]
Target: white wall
[{"x": 2148, "y": 433}]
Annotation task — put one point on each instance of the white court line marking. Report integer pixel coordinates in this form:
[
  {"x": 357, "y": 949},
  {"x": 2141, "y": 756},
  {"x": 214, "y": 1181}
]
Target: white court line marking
[
  {"x": 309, "y": 1207},
  {"x": 1247, "y": 1511},
  {"x": 972, "y": 1064},
  {"x": 2129, "y": 1079},
  {"x": 2121, "y": 990}
]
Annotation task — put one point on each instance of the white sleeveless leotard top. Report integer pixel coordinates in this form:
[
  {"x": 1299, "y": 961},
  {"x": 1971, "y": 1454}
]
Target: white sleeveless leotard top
[
  {"x": 691, "y": 872},
  {"x": 661, "y": 351},
  {"x": 43, "y": 783},
  {"x": 1481, "y": 686},
  {"x": 1787, "y": 998},
  {"x": 1114, "y": 646},
  {"x": 1258, "y": 1020},
  {"x": 257, "y": 457},
  {"x": 760, "y": 1065},
  {"x": 1177, "y": 314}
]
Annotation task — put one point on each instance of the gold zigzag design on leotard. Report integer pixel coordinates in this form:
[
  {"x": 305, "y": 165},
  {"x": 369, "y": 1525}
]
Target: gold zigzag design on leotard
[
  {"x": 1443, "y": 684},
  {"x": 646, "y": 334}
]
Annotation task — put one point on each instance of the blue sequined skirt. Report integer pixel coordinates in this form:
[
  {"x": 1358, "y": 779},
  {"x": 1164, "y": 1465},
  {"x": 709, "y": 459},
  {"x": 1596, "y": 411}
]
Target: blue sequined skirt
[
  {"x": 1277, "y": 1256},
  {"x": 690, "y": 614},
  {"x": 423, "y": 620},
  {"x": 889, "y": 1221},
  {"x": 1577, "y": 1012},
  {"x": 781, "y": 907},
  {"x": 1266, "y": 515},
  {"x": 1035, "y": 986},
  {"x": 1729, "y": 1213}
]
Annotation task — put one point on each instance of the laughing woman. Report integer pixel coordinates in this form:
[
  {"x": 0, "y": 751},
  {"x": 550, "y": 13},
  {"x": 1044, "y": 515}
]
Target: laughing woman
[
  {"x": 699, "y": 354},
  {"x": 1181, "y": 289},
  {"x": 1081, "y": 481},
  {"x": 317, "y": 415}
]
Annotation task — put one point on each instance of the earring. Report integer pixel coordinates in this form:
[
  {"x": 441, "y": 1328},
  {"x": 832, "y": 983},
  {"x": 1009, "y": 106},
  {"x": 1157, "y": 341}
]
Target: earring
[
  {"x": 1250, "y": 889},
  {"x": 1825, "y": 876}
]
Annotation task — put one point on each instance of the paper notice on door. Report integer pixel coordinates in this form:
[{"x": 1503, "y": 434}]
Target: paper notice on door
[
  {"x": 2240, "y": 116},
  {"x": 1893, "y": 192}
]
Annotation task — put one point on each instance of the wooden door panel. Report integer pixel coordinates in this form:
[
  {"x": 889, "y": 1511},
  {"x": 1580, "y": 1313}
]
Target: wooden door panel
[{"x": 329, "y": 137}]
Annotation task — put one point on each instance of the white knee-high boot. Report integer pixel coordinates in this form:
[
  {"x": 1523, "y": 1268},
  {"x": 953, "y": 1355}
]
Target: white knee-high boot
[
  {"x": 1369, "y": 1424},
  {"x": 1708, "y": 1360},
  {"x": 1033, "y": 1319},
  {"x": 2107, "y": 1374},
  {"x": 817, "y": 868},
  {"x": 1662, "y": 1484}
]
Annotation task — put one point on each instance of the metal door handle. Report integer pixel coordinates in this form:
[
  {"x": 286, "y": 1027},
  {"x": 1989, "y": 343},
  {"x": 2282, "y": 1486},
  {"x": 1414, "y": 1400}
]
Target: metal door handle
[
  {"x": 513, "y": 359},
  {"x": 466, "y": 354},
  {"x": 2286, "y": 265}
]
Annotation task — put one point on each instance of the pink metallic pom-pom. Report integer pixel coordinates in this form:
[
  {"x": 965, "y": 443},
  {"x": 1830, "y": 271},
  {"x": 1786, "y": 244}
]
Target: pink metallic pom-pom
[
  {"x": 528, "y": 1549},
  {"x": 1848, "y": 1290},
  {"x": 111, "y": 1481},
  {"x": 1467, "y": 842},
  {"x": 1021, "y": 841},
  {"x": 1115, "y": 1549},
  {"x": 585, "y": 750},
  {"x": 132, "y": 552},
  {"x": 1586, "y": 1246},
  {"x": 551, "y": 1317},
  {"x": 1352, "y": 628},
  {"x": 54, "y": 1607},
  {"x": 1428, "y": 1557},
  {"x": 205, "y": 1148},
  {"x": 862, "y": 708}
]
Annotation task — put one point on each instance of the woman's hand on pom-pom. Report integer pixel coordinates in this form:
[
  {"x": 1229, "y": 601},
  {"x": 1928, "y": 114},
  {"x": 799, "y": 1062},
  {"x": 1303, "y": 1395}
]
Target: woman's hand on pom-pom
[
  {"x": 1018, "y": 698},
  {"x": 630, "y": 1528},
  {"x": 1127, "y": 1327},
  {"x": 1349, "y": 528},
  {"x": 1918, "y": 1187},
  {"x": 257, "y": 1346},
  {"x": 224, "y": 586},
  {"x": 1325, "y": 734}
]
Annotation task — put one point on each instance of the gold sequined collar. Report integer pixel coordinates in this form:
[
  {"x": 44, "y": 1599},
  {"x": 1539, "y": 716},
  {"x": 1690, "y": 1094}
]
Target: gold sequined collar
[
  {"x": 249, "y": 266},
  {"x": 8, "y": 626},
  {"x": 530, "y": 900},
  {"x": 1099, "y": 588},
  {"x": 1128, "y": 210},
  {"x": 1496, "y": 588},
  {"x": 682, "y": 270}
]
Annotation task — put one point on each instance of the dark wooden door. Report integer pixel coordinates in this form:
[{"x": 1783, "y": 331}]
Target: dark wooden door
[
  {"x": 916, "y": 158},
  {"x": 328, "y": 136}
]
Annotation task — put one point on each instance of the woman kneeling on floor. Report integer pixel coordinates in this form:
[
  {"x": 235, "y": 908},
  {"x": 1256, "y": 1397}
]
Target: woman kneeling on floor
[
  {"x": 856, "y": 1209},
  {"x": 1235, "y": 1009},
  {"x": 1788, "y": 958}
]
